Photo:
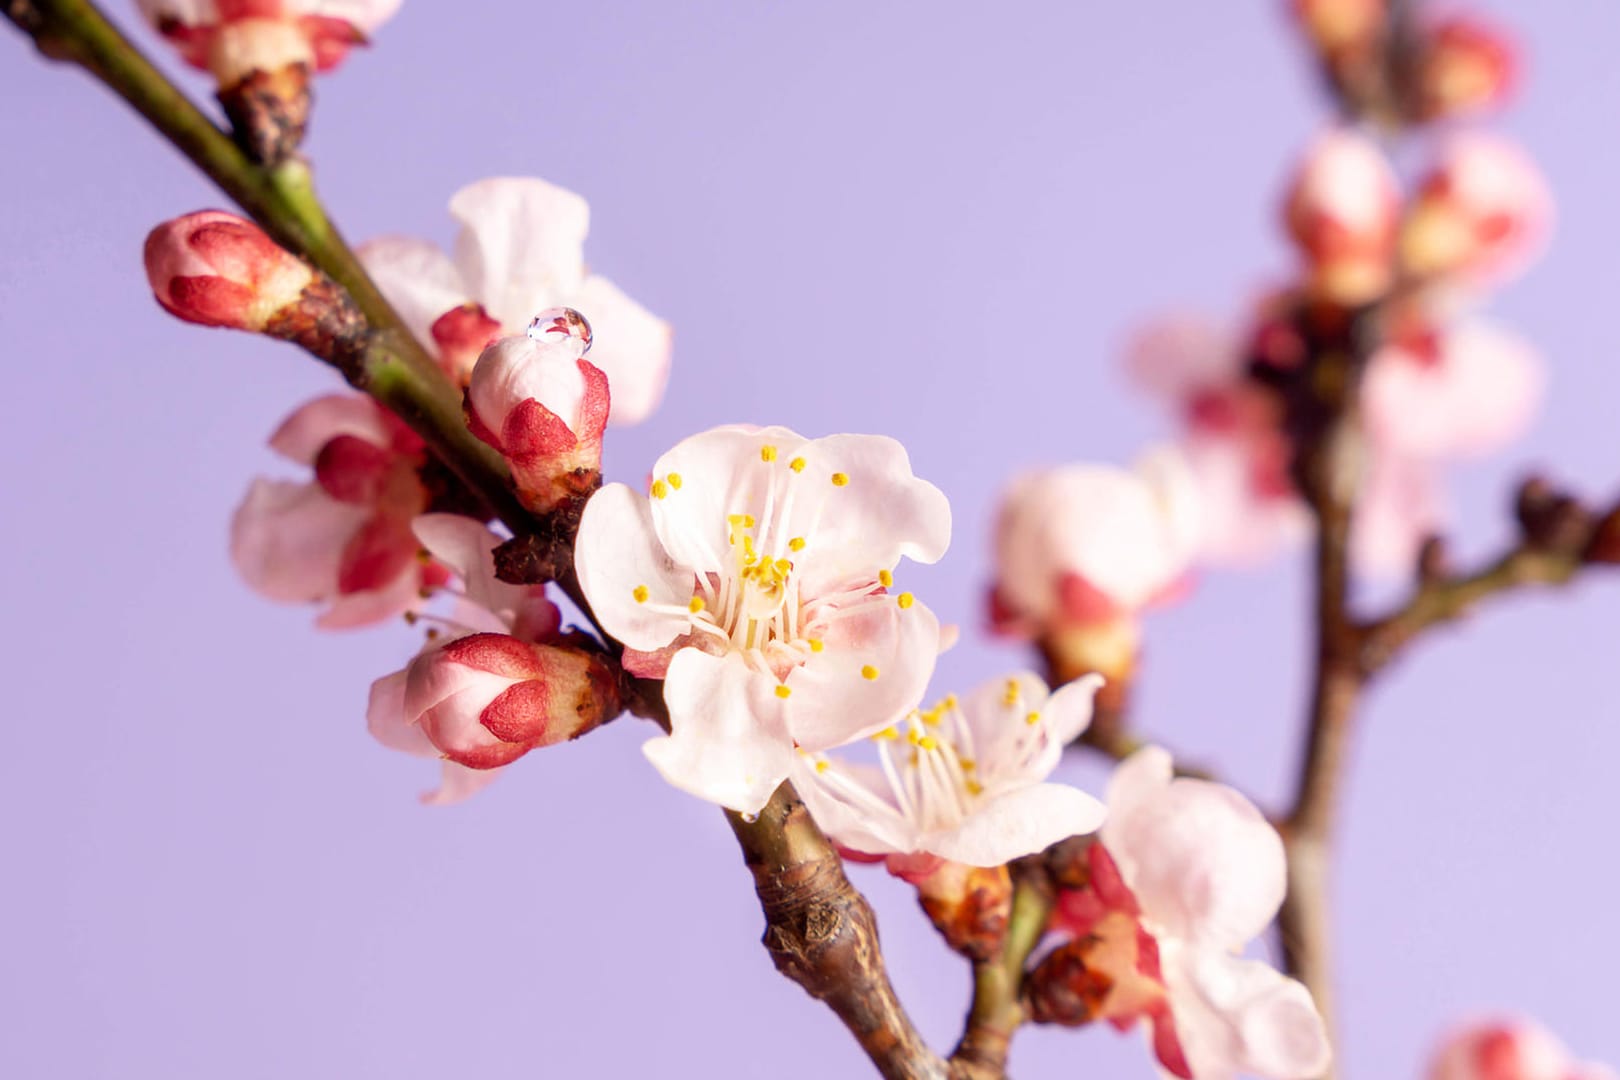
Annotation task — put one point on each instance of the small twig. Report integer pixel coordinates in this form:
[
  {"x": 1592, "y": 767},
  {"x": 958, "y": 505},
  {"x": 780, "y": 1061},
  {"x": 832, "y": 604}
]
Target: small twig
[
  {"x": 997, "y": 1010},
  {"x": 821, "y": 933}
]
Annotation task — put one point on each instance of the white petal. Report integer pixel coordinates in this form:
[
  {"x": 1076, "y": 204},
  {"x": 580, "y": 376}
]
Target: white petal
[
  {"x": 630, "y": 344},
  {"x": 1001, "y": 734},
  {"x": 882, "y": 513},
  {"x": 722, "y": 472},
  {"x": 1241, "y": 1016},
  {"x": 417, "y": 278},
  {"x": 521, "y": 245},
  {"x": 853, "y": 804},
  {"x": 727, "y": 742},
  {"x": 616, "y": 553},
  {"x": 458, "y": 783},
  {"x": 402, "y": 594},
  {"x": 1179, "y": 355},
  {"x": 1241, "y": 524},
  {"x": 872, "y": 669},
  {"x": 387, "y": 721},
  {"x": 287, "y": 540},
  {"x": 1401, "y": 503},
  {"x": 1068, "y": 710},
  {"x": 1204, "y": 863},
  {"x": 315, "y": 423},
  {"x": 1017, "y": 823}
]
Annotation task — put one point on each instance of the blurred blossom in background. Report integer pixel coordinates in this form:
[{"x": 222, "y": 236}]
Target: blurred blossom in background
[{"x": 910, "y": 220}]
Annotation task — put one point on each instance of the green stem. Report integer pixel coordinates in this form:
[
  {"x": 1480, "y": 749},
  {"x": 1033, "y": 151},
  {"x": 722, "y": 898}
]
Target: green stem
[{"x": 997, "y": 1010}]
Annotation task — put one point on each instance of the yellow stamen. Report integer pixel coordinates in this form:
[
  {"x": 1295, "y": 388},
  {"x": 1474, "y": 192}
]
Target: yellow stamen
[
  {"x": 767, "y": 453},
  {"x": 928, "y": 742},
  {"x": 796, "y": 544},
  {"x": 641, "y": 592},
  {"x": 823, "y": 765},
  {"x": 797, "y": 464},
  {"x": 840, "y": 479},
  {"x": 888, "y": 734},
  {"x": 974, "y": 787},
  {"x": 815, "y": 644},
  {"x": 905, "y": 600},
  {"x": 868, "y": 672},
  {"x": 695, "y": 605},
  {"x": 1012, "y": 692},
  {"x": 784, "y": 691},
  {"x": 659, "y": 489},
  {"x": 885, "y": 578},
  {"x": 1032, "y": 719},
  {"x": 675, "y": 480}
]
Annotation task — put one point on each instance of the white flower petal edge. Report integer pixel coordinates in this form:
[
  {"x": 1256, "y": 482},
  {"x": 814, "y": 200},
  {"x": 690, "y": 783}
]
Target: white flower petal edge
[
  {"x": 777, "y": 554},
  {"x": 969, "y": 786}
]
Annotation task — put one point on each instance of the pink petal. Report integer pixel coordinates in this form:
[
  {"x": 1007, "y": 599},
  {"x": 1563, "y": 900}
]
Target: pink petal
[
  {"x": 417, "y": 278},
  {"x": 521, "y": 245},
  {"x": 1401, "y": 504},
  {"x": 1241, "y": 1016},
  {"x": 728, "y": 741},
  {"x": 616, "y": 553},
  {"x": 302, "y": 435},
  {"x": 287, "y": 540},
  {"x": 1178, "y": 356},
  {"x": 388, "y": 722}
]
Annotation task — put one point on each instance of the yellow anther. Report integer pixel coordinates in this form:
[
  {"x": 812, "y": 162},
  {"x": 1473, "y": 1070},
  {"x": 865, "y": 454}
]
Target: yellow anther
[
  {"x": 796, "y": 544},
  {"x": 885, "y": 578},
  {"x": 913, "y": 737},
  {"x": 695, "y": 604},
  {"x": 1032, "y": 719},
  {"x": 675, "y": 480},
  {"x": 797, "y": 464},
  {"x": 839, "y": 479},
  {"x": 950, "y": 702},
  {"x": 905, "y": 599},
  {"x": 767, "y": 453},
  {"x": 931, "y": 717},
  {"x": 868, "y": 672},
  {"x": 974, "y": 787},
  {"x": 641, "y": 592},
  {"x": 784, "y": 691},
  {"x": 823, "y": 765},
  {"x": 928, "y": 742},
  {"x": 659, "y": 489},
  {"x": 783, "y": 566},
  {"x": 888, "y": 734},
  {"x": 815, "y": 644},
  {"x": 967, "y": 764},
  {"x": 1011, "y": 697}
]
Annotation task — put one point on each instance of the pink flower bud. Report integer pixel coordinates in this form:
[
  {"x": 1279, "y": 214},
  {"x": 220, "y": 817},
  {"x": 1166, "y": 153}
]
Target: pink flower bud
[
  {"x": 216, "y": 269},
  {"x": 1335, "y": 26},
  {"x": 544, "y": 407},
  {"x": 1466, "y": 65},
  {"x": 462, "y": 334},
  {"x": 1509, "y": 1049},
  {"x": 486, "y": 700},
  {"x": 1480, "y": 216},
  {"x": 1342, "y": 209},
  {"x": 233, "y": 38}
]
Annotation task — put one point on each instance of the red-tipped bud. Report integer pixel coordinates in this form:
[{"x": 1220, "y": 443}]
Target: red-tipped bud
[
  {"x": 216, "y": 269},
  {"x": 969, "y": 906},
  {"x": 486, "y": 700},
  {"x": 1466, "y": 65},
  {"x": 1511, "y": 1048},
  {"x": 1342, "y": 211},
  {"x": 1480, "y": 216},
  {"x": 462, "y": 334},
  {"x": 1338, "y": 26},
  {"x": 544, "y": 407}
]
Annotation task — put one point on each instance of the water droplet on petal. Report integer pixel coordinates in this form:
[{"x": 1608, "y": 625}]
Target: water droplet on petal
[{"x": 559, "y": 323}]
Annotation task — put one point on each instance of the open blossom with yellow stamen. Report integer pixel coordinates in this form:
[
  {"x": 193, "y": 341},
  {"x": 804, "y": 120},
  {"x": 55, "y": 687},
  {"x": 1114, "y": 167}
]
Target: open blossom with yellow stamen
[
  {"x": 963, "y": 781},
  {"x": 754, "y": 579}
]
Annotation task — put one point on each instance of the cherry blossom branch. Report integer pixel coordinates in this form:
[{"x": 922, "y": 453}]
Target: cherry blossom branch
[
  {"x": 393, "y": 367},
  {"x": 997, "y": 1010},
  {"x": 821, "y": 933}
]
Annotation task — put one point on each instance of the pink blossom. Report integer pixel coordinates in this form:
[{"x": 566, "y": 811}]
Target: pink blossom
[
  {"x": 217, "y": 269},
  {"x": 756, "y": 581},
  {"x": 486, "y": 607},
  {"x": 1088, "y": 545},
  {"x": 1509, "y": 1049},
  {"x": 970, "y": 784},
  {"x": 343, "y": 539},
  {"x": 1466, "y": 65},
  {"x": 1341, "y": 211},
  {"x": 1479, "y": 217},
  {"x": 1185, "y": 874},
  {"x": 520, "y": 252},
  {"x": 1465, "y": 389},
  {"x": 232, "y": 38},
  {"x": 544, "y": 407}
]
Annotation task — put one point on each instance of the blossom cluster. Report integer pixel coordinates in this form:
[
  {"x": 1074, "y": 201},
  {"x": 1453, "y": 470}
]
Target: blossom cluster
[{"x": 753, "y": 579}]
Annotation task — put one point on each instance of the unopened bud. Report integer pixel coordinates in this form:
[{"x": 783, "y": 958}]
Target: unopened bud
[
  {"x": 462, "y": 334},
  {"x": 1064, "y": 990},
  {"x": 1481, "y": 215},
  {"x": 1466, "y": 65},
  {"x": 486, "y": 700},
  {"x": 1335, "y": 26},
  {"x": 969, "y": 906},
  {"x": 1509, "y": 1049},
  {"x": 1342, "y": 210},
  {"x": 1550, "y": 519},
  {"x": 216, "y": 269},
  {"x": 544, "y": 407},
  {"x": 1605, "y": 544}
]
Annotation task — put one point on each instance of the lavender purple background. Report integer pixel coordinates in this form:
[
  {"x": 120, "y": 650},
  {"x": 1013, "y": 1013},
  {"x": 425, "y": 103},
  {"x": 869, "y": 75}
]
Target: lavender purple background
[{"x": 934, "y": 222}]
